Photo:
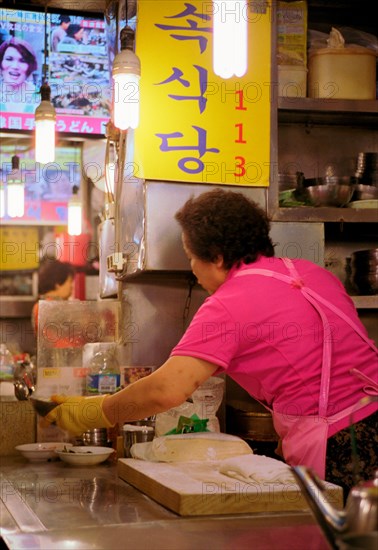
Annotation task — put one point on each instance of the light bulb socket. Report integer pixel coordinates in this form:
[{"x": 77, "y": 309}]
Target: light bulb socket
[
  {"x": 75, "y": 190},
  {"x": 127, "y": 38},
  {"x": 45, "y": 92},
  {"x": 15, "y": 162}
]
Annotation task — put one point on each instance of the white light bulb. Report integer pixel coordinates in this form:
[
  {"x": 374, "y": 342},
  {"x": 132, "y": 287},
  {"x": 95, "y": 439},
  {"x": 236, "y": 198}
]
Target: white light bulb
[
  {"x": 126, "y": 96},
  {"x": 15, "y": 198},
  {"x": 44, "y": 141},
  {"x": 230, "y": 37},
  {"x": 74, "y": 216},
  {"x": 15, "y": 191},
  {"x": 45, "y": 133}
]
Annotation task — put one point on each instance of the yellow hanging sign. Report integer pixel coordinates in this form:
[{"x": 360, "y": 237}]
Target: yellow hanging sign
[
  {"x": 19, "y": 248},
  {"x": 195, "y": 126}
]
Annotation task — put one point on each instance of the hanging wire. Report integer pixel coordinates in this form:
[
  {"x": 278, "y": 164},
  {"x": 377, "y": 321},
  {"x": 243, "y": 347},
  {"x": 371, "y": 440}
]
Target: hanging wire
[
  {"x": 45, "y": 52},
  {"x": 45, "y": 89},
  {"x": 191, "y": 284}
]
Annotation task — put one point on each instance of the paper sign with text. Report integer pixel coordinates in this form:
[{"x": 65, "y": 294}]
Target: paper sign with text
[{"x": 195, "y": 126}]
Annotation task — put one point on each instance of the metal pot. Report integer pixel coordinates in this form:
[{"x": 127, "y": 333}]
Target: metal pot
[
  {"x": 256, "y": 425},
  {"x": 364, "y": 266},
  {"x": 353, "y": 541}
]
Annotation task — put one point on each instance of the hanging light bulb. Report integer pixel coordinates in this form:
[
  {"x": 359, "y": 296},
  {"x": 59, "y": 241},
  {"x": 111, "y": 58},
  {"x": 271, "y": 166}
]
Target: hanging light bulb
[
  {"x": 126, "y": 76},
  {"x": 45, "y": 117},
  {"x": 15, "y": 191},
  {"x": 45, "y": 127},
  {"x": 230, "y": 37},
  {"x": 74, "y": 213}
]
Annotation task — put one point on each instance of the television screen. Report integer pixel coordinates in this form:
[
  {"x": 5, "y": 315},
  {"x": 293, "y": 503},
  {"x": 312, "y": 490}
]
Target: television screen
[
  {"x": 47, "y": 188},
  {"x": 77, "y": 70}
]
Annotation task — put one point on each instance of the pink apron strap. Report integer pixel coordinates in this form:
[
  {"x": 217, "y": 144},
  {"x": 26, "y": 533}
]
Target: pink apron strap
[
  {"x": 315, "y": 300},
  {"x": 289, "y": 264},
  {"x": 294, "y": 281}
]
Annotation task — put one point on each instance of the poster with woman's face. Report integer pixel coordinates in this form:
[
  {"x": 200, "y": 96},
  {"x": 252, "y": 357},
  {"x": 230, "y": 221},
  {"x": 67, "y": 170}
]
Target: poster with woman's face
[{"x": 76, "y": 68}]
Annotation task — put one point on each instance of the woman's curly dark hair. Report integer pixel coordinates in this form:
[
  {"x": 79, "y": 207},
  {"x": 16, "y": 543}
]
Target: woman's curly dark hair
[
  {"x": 225, "y": 223},
  {"x": 52, "y": 273}
]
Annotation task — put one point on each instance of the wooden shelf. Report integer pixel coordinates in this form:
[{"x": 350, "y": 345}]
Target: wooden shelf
[{"x": 365, "y": 302}]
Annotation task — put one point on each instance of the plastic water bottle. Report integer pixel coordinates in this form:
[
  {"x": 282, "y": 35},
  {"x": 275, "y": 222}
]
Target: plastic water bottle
[
  {"x": 7, "y": 364},
  {"x": 104, "y": 375}
]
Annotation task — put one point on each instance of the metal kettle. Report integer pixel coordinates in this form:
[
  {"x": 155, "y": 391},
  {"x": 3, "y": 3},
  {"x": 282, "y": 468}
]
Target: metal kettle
[{"x": 360, "y": 514}]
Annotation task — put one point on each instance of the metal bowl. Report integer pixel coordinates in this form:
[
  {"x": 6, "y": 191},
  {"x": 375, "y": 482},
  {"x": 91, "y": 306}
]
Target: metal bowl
[
  {"x": 329, "y": 194},
  {"x": 335, "y": 180}
]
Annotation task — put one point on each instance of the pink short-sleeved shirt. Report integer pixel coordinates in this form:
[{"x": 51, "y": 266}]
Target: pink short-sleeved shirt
[{"x": 266, "y": 336}]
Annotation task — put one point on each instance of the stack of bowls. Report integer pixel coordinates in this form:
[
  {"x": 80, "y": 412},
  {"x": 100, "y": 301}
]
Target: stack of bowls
[
  {"x": 330, "y": 190},
  {"x": 367, "y": 168},
  {"x": 365, "y": 271},
  {"x": 367, "y": 176}
]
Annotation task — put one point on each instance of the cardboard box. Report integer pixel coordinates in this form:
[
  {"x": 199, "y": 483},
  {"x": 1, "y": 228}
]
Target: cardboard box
[{"x": 292, "y": 81}]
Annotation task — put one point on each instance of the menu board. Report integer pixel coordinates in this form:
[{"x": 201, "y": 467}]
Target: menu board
[{"x": 194, "y": 125}]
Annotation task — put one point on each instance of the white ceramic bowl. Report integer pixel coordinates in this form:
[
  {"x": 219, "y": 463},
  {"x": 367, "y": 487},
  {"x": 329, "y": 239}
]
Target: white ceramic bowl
[
  {"x": 85, "y": 456},
  {"x": 36, "y": 452}
]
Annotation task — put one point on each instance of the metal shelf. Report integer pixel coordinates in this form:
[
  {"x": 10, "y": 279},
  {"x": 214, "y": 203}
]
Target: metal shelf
[
  {"x": 325, "y": 214},
  {"x": 347, "y": 112},
  {"x": 309, "y": 111}
]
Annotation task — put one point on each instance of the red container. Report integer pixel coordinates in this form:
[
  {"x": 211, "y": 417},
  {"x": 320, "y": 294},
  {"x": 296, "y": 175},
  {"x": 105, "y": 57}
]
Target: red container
[{"x": 75, "y": 249}]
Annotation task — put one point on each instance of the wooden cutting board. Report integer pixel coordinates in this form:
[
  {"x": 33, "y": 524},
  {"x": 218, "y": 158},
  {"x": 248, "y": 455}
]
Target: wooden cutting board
[{"x": 198, "y": 489}]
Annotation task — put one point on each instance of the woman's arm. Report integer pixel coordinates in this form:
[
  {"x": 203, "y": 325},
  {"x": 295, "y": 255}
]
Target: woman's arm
[{"x": 167, "y": 387}]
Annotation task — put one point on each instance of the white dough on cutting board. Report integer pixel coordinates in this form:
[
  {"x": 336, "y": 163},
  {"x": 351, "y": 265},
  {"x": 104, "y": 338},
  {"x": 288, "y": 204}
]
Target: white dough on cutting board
[
  {"x": 203, "y": 446},
  {"x": 257, "y": 469}
]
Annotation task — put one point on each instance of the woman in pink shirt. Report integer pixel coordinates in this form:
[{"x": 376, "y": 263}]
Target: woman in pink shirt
[{"x": 286, "y": 331}]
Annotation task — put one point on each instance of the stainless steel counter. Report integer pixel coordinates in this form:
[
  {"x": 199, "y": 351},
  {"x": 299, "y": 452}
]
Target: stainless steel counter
[{"x": 47, "y": 505}]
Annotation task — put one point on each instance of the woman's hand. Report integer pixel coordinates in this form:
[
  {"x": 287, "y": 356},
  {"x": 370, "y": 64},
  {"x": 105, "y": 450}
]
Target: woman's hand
[{"x": 78, "y": 414}]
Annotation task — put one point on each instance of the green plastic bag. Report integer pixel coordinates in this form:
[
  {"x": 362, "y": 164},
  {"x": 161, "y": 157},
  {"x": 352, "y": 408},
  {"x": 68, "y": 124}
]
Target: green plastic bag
[{"x": 193, "y": 424}]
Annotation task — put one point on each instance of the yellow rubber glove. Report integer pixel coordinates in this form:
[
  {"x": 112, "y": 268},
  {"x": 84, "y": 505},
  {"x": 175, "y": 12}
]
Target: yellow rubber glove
[{"x": 78, "y": 414}]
